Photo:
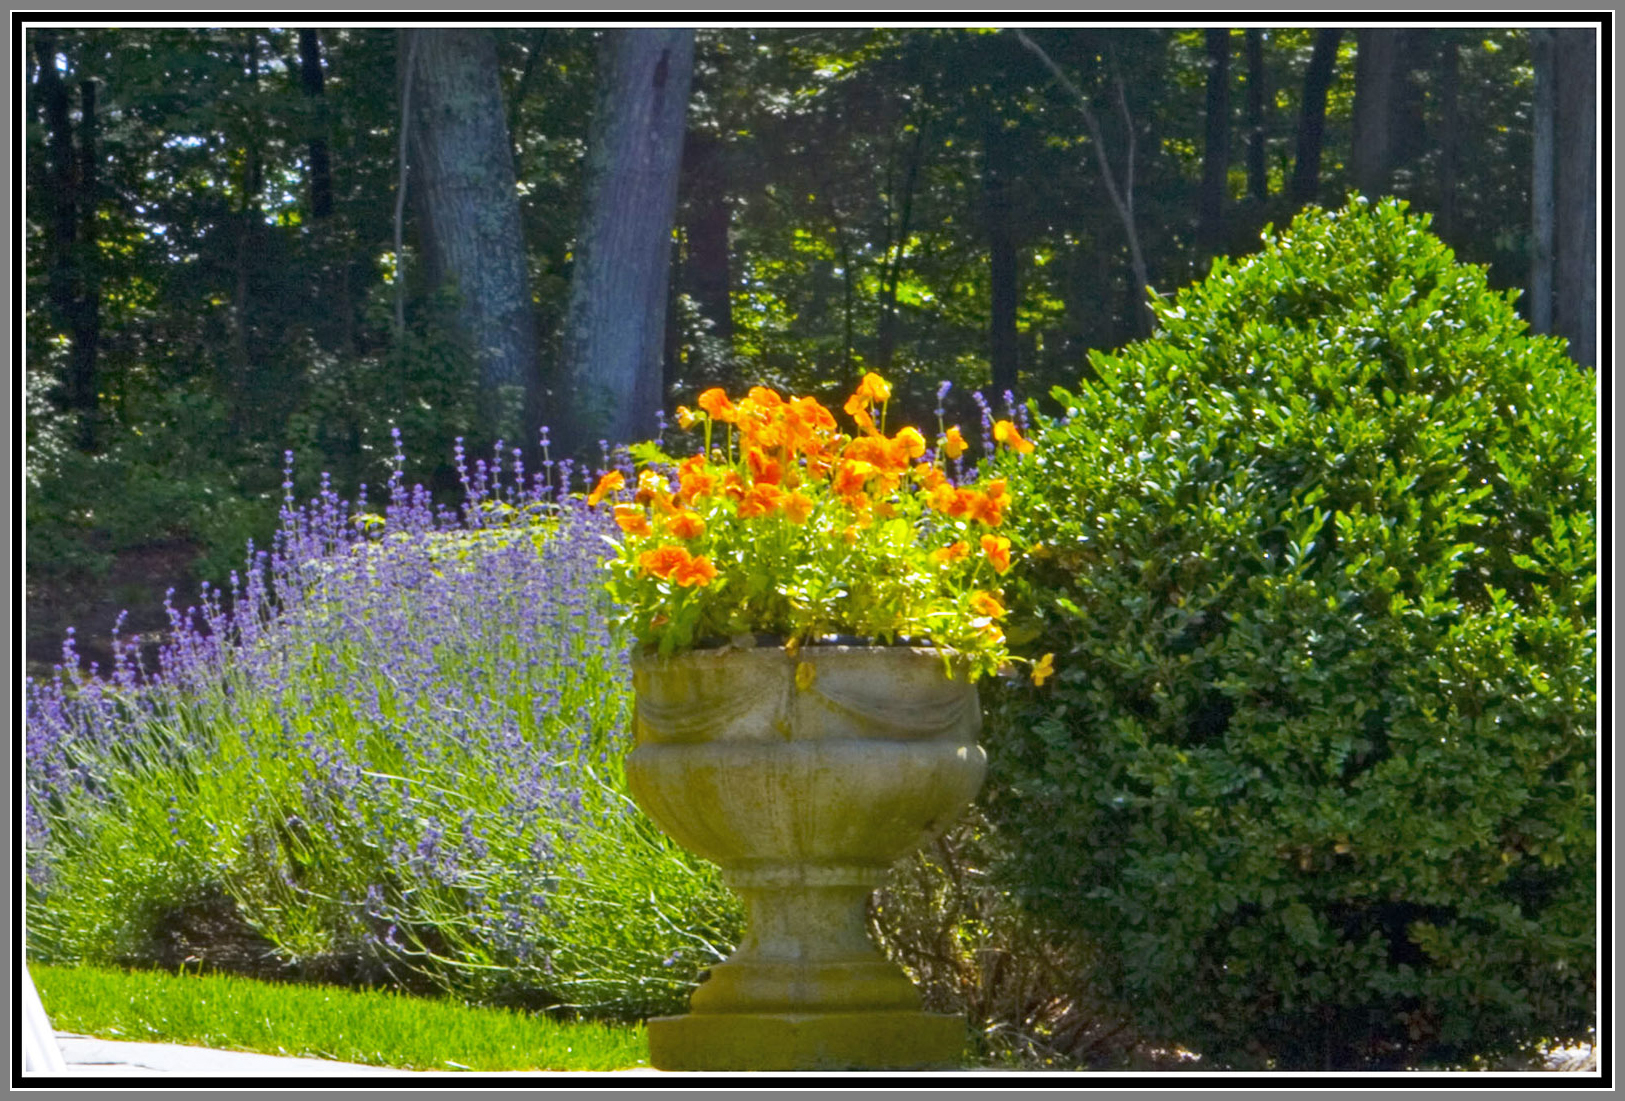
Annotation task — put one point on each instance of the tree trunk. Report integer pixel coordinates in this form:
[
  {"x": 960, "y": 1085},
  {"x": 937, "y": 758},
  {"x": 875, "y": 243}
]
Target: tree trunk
[
  {"x": 1258, "y": 180},
  {"x": 248, "y": 232},
  {"x": 1003, "y": 261},
  {"x": 898, "y": 248},
  {"x": 320, "y": 170},
  {"x": 707, "y": 274},
  {"x": 1376, "y": 69},
  {"x": 83, "y": 382},
  {"x": 1450, "y": 135},
  {"x": 1312, "y": 121},
  {"x": 1574, "y": 313},
  {"x": 464, "y": 191},
  {"x": 1543, "y": 212},
  {"x": 60, "y": 228},
  {"x": 1216, "y": 148},
  {"x": 615, "y": 327}
]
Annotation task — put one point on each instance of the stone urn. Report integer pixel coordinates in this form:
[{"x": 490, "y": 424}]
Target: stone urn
[{"x": 805, "y": 789}]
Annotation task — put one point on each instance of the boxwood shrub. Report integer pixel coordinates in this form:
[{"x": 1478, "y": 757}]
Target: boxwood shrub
[{"x": 1317, "y": 563}]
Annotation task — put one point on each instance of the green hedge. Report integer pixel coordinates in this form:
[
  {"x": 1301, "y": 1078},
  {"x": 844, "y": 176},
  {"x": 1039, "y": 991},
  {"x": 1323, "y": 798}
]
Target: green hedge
[{"x": 1317, "y": 563}]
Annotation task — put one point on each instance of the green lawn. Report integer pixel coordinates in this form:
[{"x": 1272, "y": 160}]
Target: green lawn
[{"x": 325, "y": 1022}]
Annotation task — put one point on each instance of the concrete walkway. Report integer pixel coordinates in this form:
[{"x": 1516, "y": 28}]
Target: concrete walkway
[{"x": 88, "y": 1056}]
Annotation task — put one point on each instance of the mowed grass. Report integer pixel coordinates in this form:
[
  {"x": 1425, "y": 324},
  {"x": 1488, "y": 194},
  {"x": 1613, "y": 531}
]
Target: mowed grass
[{"x": 325, "y": 1022}]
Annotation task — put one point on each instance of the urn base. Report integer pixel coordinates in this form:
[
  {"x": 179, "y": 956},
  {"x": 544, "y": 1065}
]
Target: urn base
[{"x": 876, "y": 1040}]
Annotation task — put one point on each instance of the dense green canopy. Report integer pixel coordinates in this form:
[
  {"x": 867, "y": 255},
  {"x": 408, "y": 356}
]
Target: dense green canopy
[{"x": 214, "y": 276}]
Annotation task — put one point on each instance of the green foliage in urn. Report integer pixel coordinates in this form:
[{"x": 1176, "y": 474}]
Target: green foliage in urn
[{"x": 1317, "y": 768}]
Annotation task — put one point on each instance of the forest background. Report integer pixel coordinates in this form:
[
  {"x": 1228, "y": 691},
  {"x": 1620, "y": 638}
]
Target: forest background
[{"x": 249, "y": 242}]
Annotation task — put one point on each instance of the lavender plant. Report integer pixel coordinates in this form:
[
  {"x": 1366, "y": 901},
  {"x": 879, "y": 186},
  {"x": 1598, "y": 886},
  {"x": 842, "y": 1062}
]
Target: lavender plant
[{"x": 394, "y": 741}]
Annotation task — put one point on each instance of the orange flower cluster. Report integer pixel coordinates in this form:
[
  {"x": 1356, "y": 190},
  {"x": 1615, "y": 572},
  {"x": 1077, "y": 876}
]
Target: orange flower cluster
[
  {"x": 791, "y": 456},
  {"x": 676, "y": 564}
]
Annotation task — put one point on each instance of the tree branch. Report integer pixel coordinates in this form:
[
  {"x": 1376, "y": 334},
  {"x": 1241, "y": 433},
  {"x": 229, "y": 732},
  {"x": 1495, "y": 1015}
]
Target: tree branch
[
  {"x": 1122, "y": 201},
  {"x": 400, "y": 187}
]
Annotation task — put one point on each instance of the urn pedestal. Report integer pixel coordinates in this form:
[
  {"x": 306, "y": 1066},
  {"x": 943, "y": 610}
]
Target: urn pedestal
[{"x": 805, "y": 794}]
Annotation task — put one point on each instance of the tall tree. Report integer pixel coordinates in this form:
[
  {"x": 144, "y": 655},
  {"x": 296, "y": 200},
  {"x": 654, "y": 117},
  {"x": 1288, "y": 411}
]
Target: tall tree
[
  {"x": 468, "y": 208},
  {"x": 1543, "y": 209},
  {"x": 310, "y": 79},
  {"x": 1122, "y": 199},
  {"x": 1449, "y": 98},
  {"x": 86, "y": 301},
  {"x": 1317, "y": 82},
  {"x": 1258, "y": 181},
  {"x": 614, "y": 333},
  {"x": 1376, "y": 73},
  {"x": 707, "y": 275},
  {"x": 1002, "y": 255},
  {"x": 899, "y": 227},
  {"x": 1574, "y": 314},
  {"x": 1216, "y": 148}
]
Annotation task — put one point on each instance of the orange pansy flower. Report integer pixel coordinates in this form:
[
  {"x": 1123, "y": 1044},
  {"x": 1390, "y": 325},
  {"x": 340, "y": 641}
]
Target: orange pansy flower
[
  {"x": 664, "y": 561},
  {"x": 951, "y": 553},
  {"x": 715, "y": 402},
  {"x": 612, "y": 482},
  {"x": 860, "y": 413},
  {"x": 997, "y": 493},
  {"x": 695, "y": 481},
  {"x": 686, "y": 525},
  {"x": 762, "y": 500},
  {"x": 929, "y": 476},
  {"x": 985, "y": 603},
  {"x": 997, "y": 549},
  {"x": 873, "y": 389},
  {"x": 951, "y": 500},
  {"x": 763, "y": 468},
  {"x": 911, "y": 442},
  {"x": 695, "y": 572},
  {"x": 632, "y": 520},
  {"x": 814, "y": 415},
  {"x": 989, "y": 507},
  {"x": 852, "y": 475},
  {"x": 798, "y": 506},
  {"x": 954, "y": 443},
  {"x": 766, "y": 398}
]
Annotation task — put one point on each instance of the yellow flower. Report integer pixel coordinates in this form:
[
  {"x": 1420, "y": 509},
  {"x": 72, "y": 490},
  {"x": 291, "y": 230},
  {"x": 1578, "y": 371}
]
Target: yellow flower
[
  {"x": 1006, "y": 433},
  {"x": 954, "y": 443},
  {"x": 798, "y": 506},
  {"x": 686, "y": 417},
  {"x": 806, "y": 673},
  {"x": 650, "y": 487},
  {"x": 951, "y": 553},
  {"x": 874, "y": 389},
  {"x": 911, "y": 441},
  {"x": 1043, "y": 669}
]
